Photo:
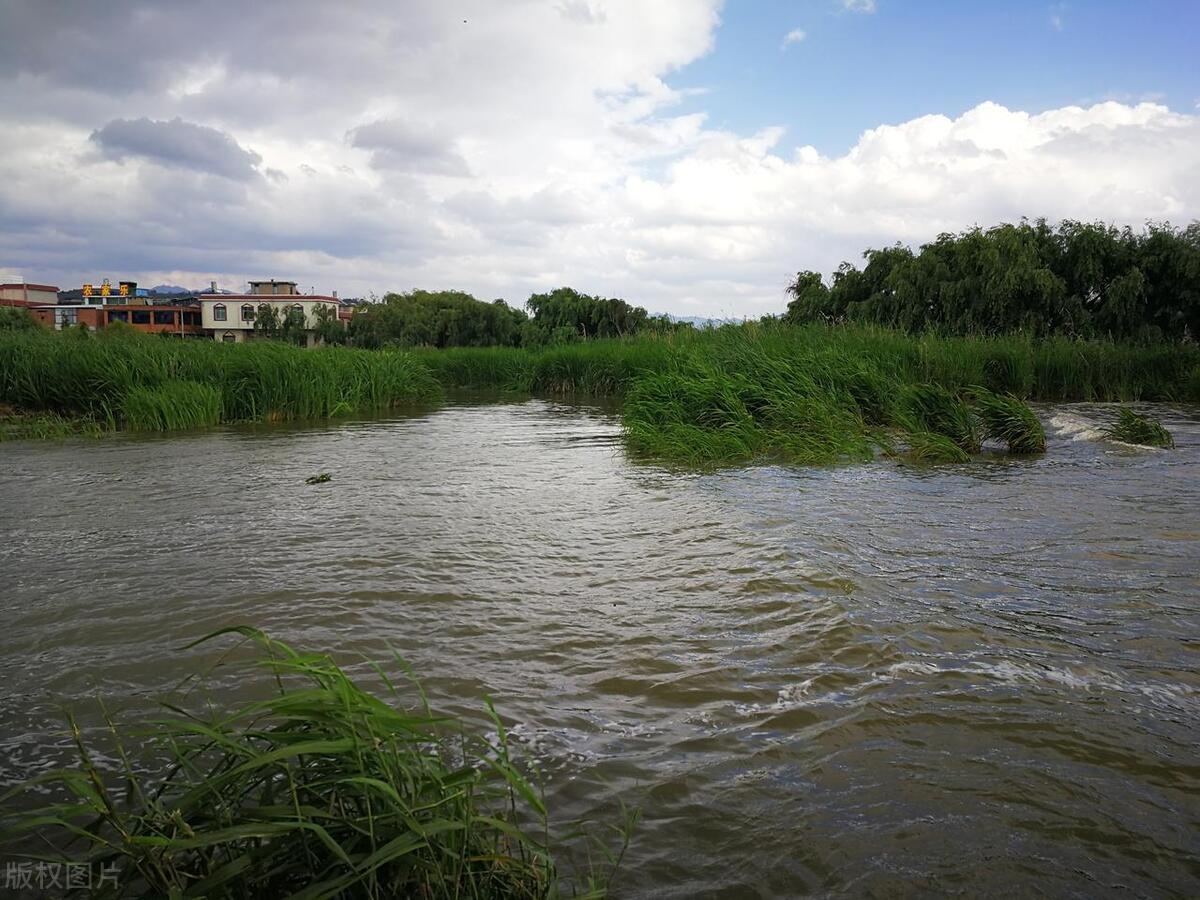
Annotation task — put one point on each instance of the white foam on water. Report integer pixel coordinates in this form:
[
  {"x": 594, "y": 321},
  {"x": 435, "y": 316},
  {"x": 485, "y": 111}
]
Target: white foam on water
[
  {"x": 1075, "y": 427},
  {"x": 1093, "y": 680},
  {"x": 1016, "y": 673}
]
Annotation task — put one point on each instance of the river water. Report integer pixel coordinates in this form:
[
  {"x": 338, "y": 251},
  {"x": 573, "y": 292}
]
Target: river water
[{"x": 864, "y": 680}]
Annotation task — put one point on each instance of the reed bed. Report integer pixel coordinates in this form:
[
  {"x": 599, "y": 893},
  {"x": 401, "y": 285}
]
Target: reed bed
[
  {"x": 593, "y": 368},
  {"x": 804, "y": 394},
  {"x": 154, "y": 383},
  {"x": 320, "y": 790},
  {"x": 171, "y": 406},
  {"x": 1054, "y": 369}
]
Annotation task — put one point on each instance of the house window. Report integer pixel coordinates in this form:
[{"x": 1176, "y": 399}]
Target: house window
[
  {"x": 68, "y": 316},
  {"x": 298, "y": 308},
  {"x": 141, "y": 317},
  {"x": 191, "y": 318},
  {"x": 219, "y": 312},
  {"x": 228, "y": 337},
  {"x": 164, "y": 317},
  {"x": 247, "y": 313},
  {"x": 118, "y": 315}
]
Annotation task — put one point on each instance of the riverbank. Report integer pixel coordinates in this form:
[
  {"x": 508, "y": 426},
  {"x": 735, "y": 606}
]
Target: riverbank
[{"x": 801, "y": 394}]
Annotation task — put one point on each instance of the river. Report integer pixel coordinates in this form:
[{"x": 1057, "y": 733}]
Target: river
[{"x": 862, "y": 680}]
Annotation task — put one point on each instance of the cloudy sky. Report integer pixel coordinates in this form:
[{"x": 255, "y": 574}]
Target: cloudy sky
[{"x": 687, "y": 155}]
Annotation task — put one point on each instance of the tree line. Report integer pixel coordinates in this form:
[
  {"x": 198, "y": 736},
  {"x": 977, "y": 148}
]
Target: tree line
[
  {"x": 456, "y": 319},
  {"x": 447, "y": 319},
  {"x": 1079, "y": 279}
]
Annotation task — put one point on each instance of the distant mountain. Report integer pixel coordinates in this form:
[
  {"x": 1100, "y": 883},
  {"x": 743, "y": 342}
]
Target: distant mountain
[{"x": 170, "y": 289}]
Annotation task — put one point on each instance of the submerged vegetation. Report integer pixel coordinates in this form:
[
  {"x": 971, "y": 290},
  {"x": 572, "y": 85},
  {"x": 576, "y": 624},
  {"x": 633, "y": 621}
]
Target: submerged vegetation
[
  {"x": 320, "y": 790},
  {"x": 1132, "y": 428}
]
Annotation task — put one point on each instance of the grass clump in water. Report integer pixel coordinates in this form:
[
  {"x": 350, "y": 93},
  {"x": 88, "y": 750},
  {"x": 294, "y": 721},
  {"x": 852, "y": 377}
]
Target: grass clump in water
[
  {"x": 1009, "y": 420},
  {"x": 320, "y": 790},
  {"x": 1132, "y": 428},
  {"x": 929, "y": 447},
  {"x": 706, "y": 415},
  {"x": 933, "y": 408}
]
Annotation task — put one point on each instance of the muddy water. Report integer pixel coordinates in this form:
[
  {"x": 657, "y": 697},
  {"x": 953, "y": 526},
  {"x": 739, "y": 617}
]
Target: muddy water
[{"x": 870, "y": 680}]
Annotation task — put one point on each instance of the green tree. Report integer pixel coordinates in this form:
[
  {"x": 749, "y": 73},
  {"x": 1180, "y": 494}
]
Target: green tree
[
  {"x": 436, "y": 319},
  {"x": 1076, "y": 279},
  {"x": 292, "y": 327},
  {"x": 585, "y": 315},
  {"x": 810, "y": 299},
  {"x": 266, "y": 321},
  {"x": 328, "y": 327}
]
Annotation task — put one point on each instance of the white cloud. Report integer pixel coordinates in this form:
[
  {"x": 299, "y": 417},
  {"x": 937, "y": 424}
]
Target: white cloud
[
  {"x": 859, "y": 6},
  {"x": 528, "y": 147},
  {"x": 795, "y": 36},
  {"x": 1058, "y": 16}
]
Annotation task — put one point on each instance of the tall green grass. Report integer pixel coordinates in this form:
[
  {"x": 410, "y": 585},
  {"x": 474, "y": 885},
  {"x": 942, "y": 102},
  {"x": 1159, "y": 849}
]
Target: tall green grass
[
  {"x": 805, "y": 394},
  {"x": 320, "y": 790},
  {"x": 171, "y": 406},
  {"x": 135, "y": 381},
  {"x": 933, "y": 409},
  {"x": 595, "y": 368},
  {"x": 1056, "y": 369},
  {"x": 1007, "y": 419}
]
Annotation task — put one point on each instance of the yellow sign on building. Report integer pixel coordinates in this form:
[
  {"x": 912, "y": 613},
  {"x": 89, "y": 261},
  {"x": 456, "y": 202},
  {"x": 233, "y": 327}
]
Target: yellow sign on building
[{"x": 87, "y": 290}]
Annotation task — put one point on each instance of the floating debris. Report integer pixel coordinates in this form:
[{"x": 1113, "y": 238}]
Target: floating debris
[{"x": 318, "y": 479}]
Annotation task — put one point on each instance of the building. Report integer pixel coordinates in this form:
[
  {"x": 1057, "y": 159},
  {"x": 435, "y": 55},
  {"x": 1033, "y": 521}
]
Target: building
[
  {"x": 231, "y": 318},
  {"x": 27, "y": 295},
  {"x": 97, "y": 307},
  {"x": 177, "y": 319},
  {"x": 210, "y": 314}
]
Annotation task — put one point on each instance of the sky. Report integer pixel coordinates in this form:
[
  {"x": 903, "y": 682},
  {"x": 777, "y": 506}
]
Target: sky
[{"x": 686, "y": 155}]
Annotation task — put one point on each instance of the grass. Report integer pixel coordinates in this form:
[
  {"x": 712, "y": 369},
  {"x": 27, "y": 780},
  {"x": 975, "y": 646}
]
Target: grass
[
  {"x": 594, "y": 368},
  {"x": 1132, "y": 428},
  {"x": 811, "y": 394},
  {"x": 150, "y": 383},
  {"x": 171, "y": 406},
  {"x": 1007, "y": 419},
  {"x": 23, "y": 426},
  {"x": 927, "y": 447},
  {"x": 320, "y": 790},
  {"x": 933, "y": 409}
]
